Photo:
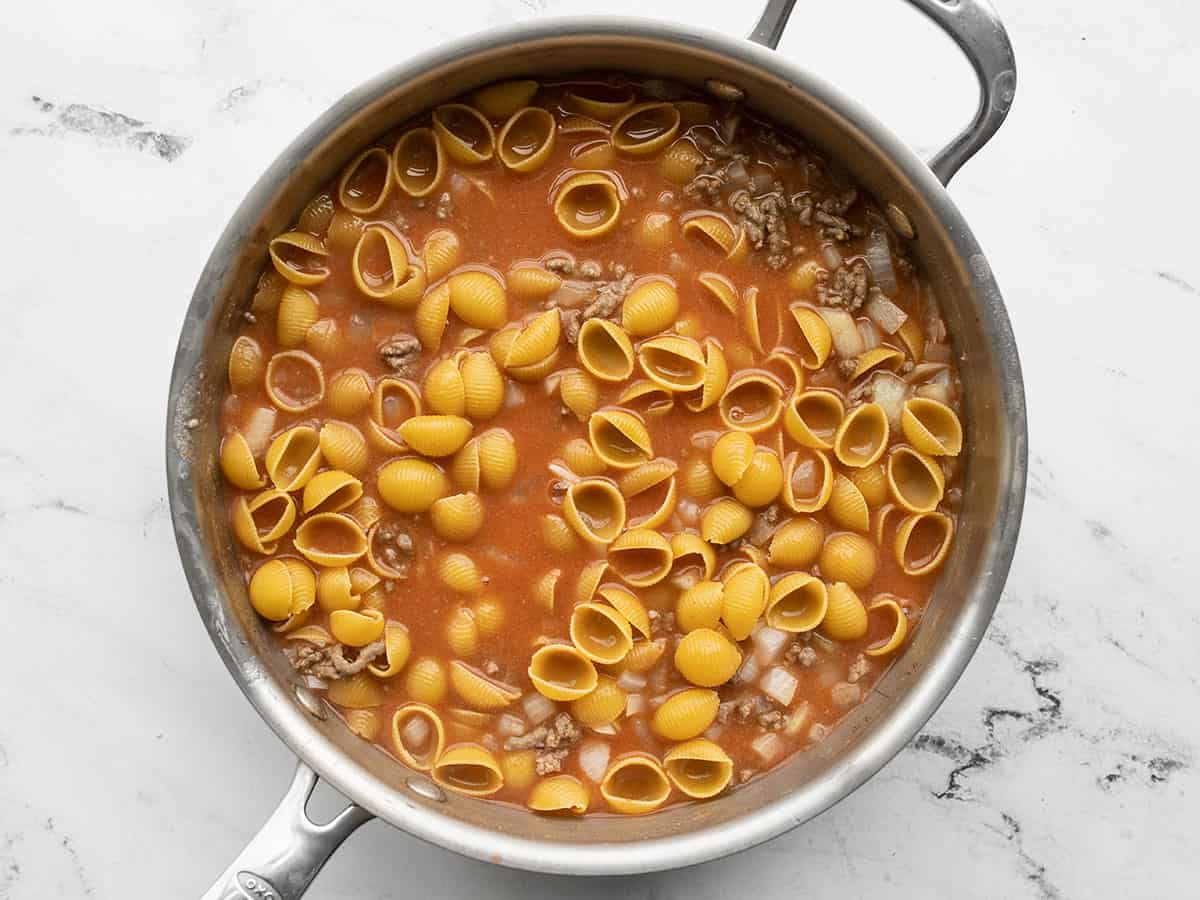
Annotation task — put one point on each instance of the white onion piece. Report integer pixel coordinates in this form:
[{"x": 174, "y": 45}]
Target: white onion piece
[
  {"x": 550, "y": 384},
  {"x": 889, "y": 391},
  {"x": 704, "y": 440},
  {"x": 514, "y": 395},
  {"x": 415, "y": 732},
  {"x": 884, "y": 313},
  {"x": 259, "y": 426},
  {"x": 879, "y": 260},
  {"x": 846, "y": 340},
  {"x": 748, "y": 672},
  {"x": 767, "y": 746},
  {"x": 831, "y": 257},
  {"x": 869, "y": 334},
  {"x": 768, "y": 642},
  {"x": 537, "y": 708},
  {"x": 925, "y": 371},
  {"x": 780, "y": 685},
  {"x": 608, "y": 730},
  {"x": 933, "y": 391},
  {"x": 458, "y": 183},
  {"x": 689, "y": 512},
  {"x": 798, "y": 719},
  {"x": 562, "y": 473},
  {"x": 714, "y": 731},
  {"x": 511, "y": 725},
  {"x": 635, "y": 705},
  {"x": 631, "y": 682},
  {"x": 593, "y": 759}
]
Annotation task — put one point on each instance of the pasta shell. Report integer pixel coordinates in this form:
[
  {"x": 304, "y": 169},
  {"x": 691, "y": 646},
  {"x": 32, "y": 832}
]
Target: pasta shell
[
  {"x": 707, "y": 658},
  {"x": 293, "y": 458},
  {"x": 393, "y": 401},
  {"x": 502, "y": 99},
  {"x": 593, "y": 155},
  {"x": 535, "y": 342},
  {"x": 587, "y": 205},
  {"x": 259, "y": 522},
  {"x": 238, "y": 465},
  {"x": 459, "y": 573},
  {"x": 575, "y": 125},
  {"x": 641, "y": 557},
  {"x": 367, "y": 182},
  {"x": 559, "y": 794},
  {"x": 443, "y": 389},
  {"x": 431, "y": 316},
  {"x": 478, "y": 299},
  {"x": 699, "y": 606},
  {"x": 605, "y": 350},
  {"x": 914, "y": 339},
  {"x": 877, "y": 358},
  {"x": 561, "y": 672},
  {"x": 931, "y": 427},
  {"x": 815, "y": 341},
  {"x": 699, "y": 768},
  {"x": 762, "y": 321},
  {"x": 602, "y": 706},
  {"x": 363, "y": 722},
  {"x": 483, "y": 386},
  {"x": 650, "y": 493},
  {"x": 435, "y": 435},
  {"x": 426, "y": 681},
  {"x": 300, "y": 258},
  {"x": 716, "y": 378},
  {"x": 349, "y": 393},
  {"x": 464, "y": 134},
  {"x": 331, "y": 491},
  {"x": 712, "y": 231},
  {"x": 720, "y": 289},
  {"x": 381, "y": 269},
  {"x": 335, "y": 591},
  {"x": 330, "y": 539},
  {"x": 589, "y": 580},
  {"x": 802, "y": 277},
  {"x": 807, "y": 480},
  {"x": 600, "y": 633},
  {"x": 628, "y": 606},
  {"x": 295, "y": 381},
  {"x": 497, "y": 459},
  {"x": 595, "y": 509},
  {"x": 297, "y": 312},
  {"x": 786, "y": 361},
  {"x": 847, "y": 506},
  {"x": 797, "y": 543},
  {"x": 280, "y": 588},
  {"x": 675, "y": 362},
  {"x": 579, "y": 392},
  {"x": 846, "y": 618},
  {"x": 527, "y": 139},
  {"x": 356, "y": 628},
  {"x": 417, "y": 735},
  {"x": 479, "y": 691},
  {"x": 468, "y": 769},
  {"x": 246, "y": 364},
  {"x": 520, "y": 768},
  {"x": 725, "y": 521},
  {"x": 691, "y": 552},
  {"x": 344, "y": 230},
  {"x": 923, "y": 542},
  {"x": 619, "y": 437},
  {"x": 872, "y": 483},
  {"x": 680, "y": 162},
  {"x": 850, "y": 558},
  {"x": 761, "y": 483},
  {"x": 700, "y": 482},
  {"x": 546, "y": 588},
  {"x": 811, "y": 418},
  {"x": 532, "y": 283},
  {"x": 686, "y": 714},
  {"x": 647, "y": 399},
  {"x": 489, "y": 615},
  {"x": 411, "y": 485},
  {"x": 798, "y": 603},
  {"x": 752, "y": 402},
  {"x": 457, "y": 518},
  {"x": 894, "y": 639},
  {"x": 862, "y": 436},
  {"x": 440, "y": 252},
  {"x": 744, "y": 599},
  {"x": 381, "y": 562},
  {"x": 650, "y": 307},
  {"x": 359, "y": 691},
  {"x": 646, "y": 128},
  {"x": 656, "y": 231},
  {"x": 324, "y": 338},
  {"x": 602, "y": 102},
  {"x": 557, "y": 534},
  {"x": 644, "y": 655},
  {"x": 635, "y": 784}
]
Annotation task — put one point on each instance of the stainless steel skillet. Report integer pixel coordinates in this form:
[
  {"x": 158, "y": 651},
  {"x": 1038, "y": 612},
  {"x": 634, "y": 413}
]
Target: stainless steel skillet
[{"x": 281, "y": 860}]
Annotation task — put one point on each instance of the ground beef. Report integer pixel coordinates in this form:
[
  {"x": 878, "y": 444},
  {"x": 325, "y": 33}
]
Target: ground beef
[
  {"x": 604, "y": 304},
  {"x": 844, "y": 694},
  {"x": 394, "y": 546},
  {"x": 332, "y": 662},
  {"x": 553, "y": 743},
  {"x": 845, "y": 287},
  {"x": 764, "y": 221},
  {"x": 801, "y": 654},
  {"x": 764, "y": 526},
  {"x": 773, "y": 720},
  {"x": 445, "y": 206},
  {"x": 752, "y": 707},
  {"x": 847, "y": 367},
  {"x": 661, "y": 623},
  {"x": 860, "y": 667},
  {"x": 829, "y": 216},
  {"x": 400, "y": 353}
]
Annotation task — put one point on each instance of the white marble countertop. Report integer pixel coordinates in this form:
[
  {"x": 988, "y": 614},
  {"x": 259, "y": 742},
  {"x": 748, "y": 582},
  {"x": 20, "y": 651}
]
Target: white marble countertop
[{"x": 1065, "y": 763}]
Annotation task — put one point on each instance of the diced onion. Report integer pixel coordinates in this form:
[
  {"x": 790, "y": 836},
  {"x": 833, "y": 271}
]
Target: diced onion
[
  {"x": 768, "y": 642},
  {"x": 767, "y": 746},
  {"x": 689, "y": 512},
  {"x": 869, "y": 334},
  {"x": 934, "y": 391},
  {"x": 608, "y": 730},
  {"x": 635, "y": 705},
  {"x": 879, "y": 260},
  {"x": 889, "y": 391},
  {"x": 511, "y": 725},
  {"x": 831, "y": 257},
  {"x": 593, "y": 759},
  {"x": 846, "y": 340},
  {"x": 924, "y": 372},
  {"x": 884, "y": 313},
  {"x": 537, "y": 708},
  {"x": 631, "y": 682},
  {"x": 514, "y": 396},
  {"x": 259, "y": 426},
  {"x": 415, "y": 731},
  {"x": 797, "y": 719},
  {"x": 749, "y": 670},
  {"x": 780, "y": 685}
]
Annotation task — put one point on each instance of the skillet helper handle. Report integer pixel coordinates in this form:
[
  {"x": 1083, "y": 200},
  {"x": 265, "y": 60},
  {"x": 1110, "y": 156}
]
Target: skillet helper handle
[
  {"x": 977, "y": 30},
  {"x": 289, "y": 850}
]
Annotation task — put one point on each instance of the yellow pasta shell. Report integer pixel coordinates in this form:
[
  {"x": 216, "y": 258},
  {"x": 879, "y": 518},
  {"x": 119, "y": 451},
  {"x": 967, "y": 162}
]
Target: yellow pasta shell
[
  {"x": 679, "y": 162},
  {"x": 420, "y": 756},
  {"x": 699, "y": 606},
  {"x": 411, "y": 485},
  {"x": 331, "y": 491},
  {"x": 478, "y": 299},
  {"x": 429, "y": 320},
  {"x": 483, "y": 386},
  {"x": 707, "y": 658},
  {"x": 575, "y": 125},
  {"x": 763, "y": 326},
  {"x": 359, "y": 691},
  {"x": 652, "y": 488},
  {"x": 744, "y": 599},
  {"x": 366, "y": 182},
  {"x": 788, "y": 361},
  {"x": 464, "y": 133},
  {"x": 646, "y": 128},
  {"x": 280, "y": 588},
  {"x": 895, "y": 639},
  {"x": 443, "y": 388},
  {"x": 650, "y": 307},
  {"x": 532, "y": 283},
  {"x": 635, "y": 784},
  {"x": 931, "y": 427},
  {"x": 877, "y": 359},
  {"x": 527, "y": 139},
  {"x": 598, "y": 154},
  {"x": 655, "y": 231},
  {"x": 259, "y": 522},
  {"x": 815, "y": 341},
  {"x": 335, "y": 590},
  {"x": 589, "y": 580},
  {"x": 811, "y": 418},
  {"x": 579, "y": 392},
  {"x": 602, "y": 102},
  {"x": 536, "y": 341},
  {"x": 468, "y": 769},
  {"x": 641, "y": 557},
  {"x": 502, "y": 99},
  {"x": 399, "y": 283},
  {"x": 546, "y": 588},
  {"x": 605, "y": 350},
  {"x": 356, "y": 628},
  {"x": 716, "y": 378},
  {"x": 712, "y": 231},
  {"x": 520, "y": 768},
  {"x": 698, "y": 768},
  {"x": 675, "y": 362},
  {"x": 807, "y": 480},
  {"x": 349, "y": 393},
  {"x": 343, "y": 447},
  {"x": 923, "y": 542},
  {"x": 686, "y": 714},
  {"x": 426, "y": 681},
  {"x": 700, "y": 482},
  {"x": 725, "y": 521},
  {"x": 619, "y": 437},
  {"x": 435, "y": 435},
  {"x": 643, "y": 655},
  {"x": 559, "y": 794},
  {"x": 459, "y": 573},
  {"x": 847, "y": 506},
  {"x": 647, "y": 399},
  {"x": 872, "y": 483},
  {"x": 862, "y": 436},
  {"x": 280, "y": 395},
  {"x": 296, "y": 314},
  {"x": 440, "y": 252},
  {"x": 692, "y": 551},
  {"x": 561, "y": 672},
  {"x": 363, "y": 722},
  {"x": 300, "y": 258},
  {"x": 458, "y": 517},
  {"x": 850, "y": 558},
  {"x": 762, "y": 481},
  {"x": 478, "y": 691},
  {"x": 628, "y": 606},
  {"x": 557, "y": 534},
  {"x": 602, "y": 706},
  {"x": 238, "y": 465},
  {"x": 595, "y": 509},
  {"x": 489, "y": 615},
  {"x": 497, "y": 459},
  {"x": 293, "y": 458},
  {"x": 798, "y": 603},
  {"x": 802, "y": 277},
  {"x": 846, "y": 618},
  {"x": 330, "y": 539},
  {"x": 587, "y": 205},
  {"x": 797, "y": 543},
  {"x": 600, "y": 633},
  {"x": 752, "y": 402},
  {"x": 246, "y": 364}
]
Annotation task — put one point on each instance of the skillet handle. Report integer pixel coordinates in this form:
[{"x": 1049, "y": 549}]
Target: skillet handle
[
  {"x": 979, "y": 33},
  {"x": 289, "y": 850}
]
